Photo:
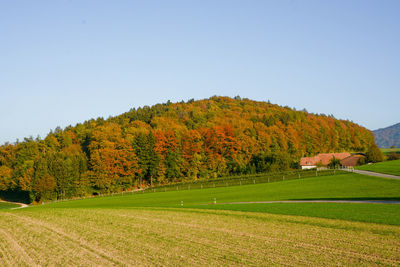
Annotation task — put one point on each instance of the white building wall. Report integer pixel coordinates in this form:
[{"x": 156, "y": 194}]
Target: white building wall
[{"x": 308, "y": 167}]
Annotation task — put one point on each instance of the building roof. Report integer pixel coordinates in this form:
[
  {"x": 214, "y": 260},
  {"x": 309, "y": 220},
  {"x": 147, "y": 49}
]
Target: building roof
[
  {"x": 323, "y": 158},
  {"x": 351, "y": 161}
]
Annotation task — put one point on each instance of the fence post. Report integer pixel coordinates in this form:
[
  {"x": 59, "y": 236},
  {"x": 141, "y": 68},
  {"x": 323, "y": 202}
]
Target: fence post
[
  {"x": 201, "y": 186},
  {"x": 240, "y": 182},
  {"x": 181, "y": 203},
  {"x": 215, "y": 200},
  {"x": 254, "y": 181},
  {"x": 299, "y": 175}
]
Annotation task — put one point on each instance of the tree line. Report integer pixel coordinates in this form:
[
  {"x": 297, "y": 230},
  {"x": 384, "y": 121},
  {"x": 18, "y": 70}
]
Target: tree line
[{"x": 172, "y": 142}]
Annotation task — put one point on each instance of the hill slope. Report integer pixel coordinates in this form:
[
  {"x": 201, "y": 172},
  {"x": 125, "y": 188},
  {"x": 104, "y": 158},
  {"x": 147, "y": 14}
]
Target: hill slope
[
  {"x": 172, "y": 142},
  {"x": 388, "y": 137}
]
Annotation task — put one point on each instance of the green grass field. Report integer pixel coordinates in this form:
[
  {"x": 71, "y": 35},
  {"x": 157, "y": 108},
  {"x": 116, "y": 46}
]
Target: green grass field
[
  {"x": 243, "y": 180},
  {"x": 373, "y": 213},
  {"x": 349, "y": 186},
  {"x": 390, "y": 150},
  {"x": 388, "y": 167},
  {"x": 154, "y": 229},
  {"x": 6, "y": 205}
]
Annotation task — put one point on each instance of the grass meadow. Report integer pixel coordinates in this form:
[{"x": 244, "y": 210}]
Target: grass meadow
[
  {"x": 6, "y": 205},
  {"x": 154, "y": 229},
  {"x": 350, "y": 186},
  {"x": 390, "y": 150},
  {"x": 388, "y": 167}
]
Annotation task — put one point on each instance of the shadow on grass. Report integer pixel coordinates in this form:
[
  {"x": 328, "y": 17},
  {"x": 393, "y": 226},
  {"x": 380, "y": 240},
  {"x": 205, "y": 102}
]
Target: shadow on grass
[{"x": 15, "y": 196}]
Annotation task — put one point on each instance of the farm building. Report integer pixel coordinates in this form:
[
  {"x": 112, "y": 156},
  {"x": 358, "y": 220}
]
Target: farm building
[
  {"x": 352, "y": 161},
  {"x": 321, "y": 159}
]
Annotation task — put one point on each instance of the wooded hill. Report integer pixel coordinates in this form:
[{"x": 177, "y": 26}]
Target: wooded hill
[
  {"x": 172, "y": 142},
  {"x": 388, "y": 137}
]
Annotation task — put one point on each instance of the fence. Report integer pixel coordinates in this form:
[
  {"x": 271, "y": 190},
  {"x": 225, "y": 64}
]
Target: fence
[
  {"x": 240, "y": 180},
  {"x": 226, "y": 182}
]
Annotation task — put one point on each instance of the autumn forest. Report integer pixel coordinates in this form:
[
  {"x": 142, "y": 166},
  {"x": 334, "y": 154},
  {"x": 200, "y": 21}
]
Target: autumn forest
[{"x": 171, "y": 142}]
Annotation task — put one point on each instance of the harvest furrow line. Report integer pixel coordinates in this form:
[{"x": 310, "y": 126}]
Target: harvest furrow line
[
  {"x": 144, "y": 234},
  {"x": 18, "y": 248},
  {"x": 5, "y": 257},
  {"x": 96, "y": 232},
  {"x": 296, "y": 220},
  {"x": 39, "y": 241},
  {"x": 217, "y": 244},
  {"x": 171, "y": 237},
  {"x": 194, "y": 242},
  {"x": 110, "y": 258},
  {"x": 199, "y": 240},
  {"x": 299, "y": 244}
]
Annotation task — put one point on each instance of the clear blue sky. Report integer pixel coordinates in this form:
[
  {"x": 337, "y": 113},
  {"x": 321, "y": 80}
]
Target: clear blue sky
[{"x": 63, "y": 62}]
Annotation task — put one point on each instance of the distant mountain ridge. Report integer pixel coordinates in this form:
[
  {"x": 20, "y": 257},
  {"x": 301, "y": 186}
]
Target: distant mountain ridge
[{"x": 388, "y": 137}]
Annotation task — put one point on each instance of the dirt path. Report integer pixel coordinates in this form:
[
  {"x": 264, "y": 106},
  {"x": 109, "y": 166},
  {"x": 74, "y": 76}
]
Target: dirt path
[
  {"x": 313, "y": 201},
  {"x": 377, "y": 174},
  {"x": 21, "y": 205}
]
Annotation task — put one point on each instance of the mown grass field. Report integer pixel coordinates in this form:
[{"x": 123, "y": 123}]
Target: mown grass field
[
  {"x": 5, "y": 205},
  {"x": 388, "y": 167},
  {"x": 154, "y": 229},
  {"x": 243, "y": 180},
  {"x": 349, "y": 186},
  {"x": 373, "y": 213},
  {"x": 390, "y": 150}
]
